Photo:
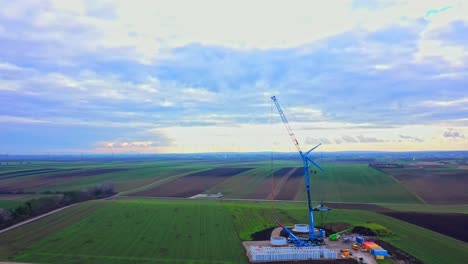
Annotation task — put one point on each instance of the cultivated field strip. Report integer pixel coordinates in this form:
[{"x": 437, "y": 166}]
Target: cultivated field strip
[
  {"x": 142, "y": 231},
  {"x": 191, "y": 184},
  {"x": 423, "y": 178},
  {"x": 357, "y": 183},
  {"x": 277, "y": 180},
  {"x": 22, "y": 237},
  {"x": 292, "y": 185},
  {"x": 242, "y": 184}
]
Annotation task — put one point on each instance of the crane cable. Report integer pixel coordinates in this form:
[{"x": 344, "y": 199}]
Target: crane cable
[{"x": 271, "y": 165}]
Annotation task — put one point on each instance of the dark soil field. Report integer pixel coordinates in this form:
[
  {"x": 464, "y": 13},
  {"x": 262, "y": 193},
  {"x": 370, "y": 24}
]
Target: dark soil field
[
  {"x": 191, "y": 184},
  {"x": 84, "y": 173},
  {"x": 29, "y": 184},
  {"x": 358, "y": 206},
  {"x": 292, "y": 185},
  {"x": 13, "y": 196},
  {"x": 13, "y": 174},
  {"x": 54, "y": 178},
  {"x": 434, "y": 184},
  {"x": 453, "y": 225}
]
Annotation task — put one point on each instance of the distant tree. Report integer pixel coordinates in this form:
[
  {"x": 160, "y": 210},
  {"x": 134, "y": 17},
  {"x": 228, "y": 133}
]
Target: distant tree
[
  {"x": 5, "y": 215},
  {"x": 42, "y": 205}
]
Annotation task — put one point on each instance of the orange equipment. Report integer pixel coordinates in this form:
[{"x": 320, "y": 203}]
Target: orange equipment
[{"x": 368, "y": 245}]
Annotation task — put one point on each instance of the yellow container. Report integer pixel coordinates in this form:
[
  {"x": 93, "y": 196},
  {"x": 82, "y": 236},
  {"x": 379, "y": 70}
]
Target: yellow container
[{"x": 379, "y": 257}]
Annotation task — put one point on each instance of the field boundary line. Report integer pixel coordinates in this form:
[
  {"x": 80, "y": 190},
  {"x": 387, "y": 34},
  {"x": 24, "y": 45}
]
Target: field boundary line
[
  {"x": 156, "y": 183},
  {"x": 399, "y": 182},
  {"x": 36, "y": 218},
  {"x": 49, "y": 213}
]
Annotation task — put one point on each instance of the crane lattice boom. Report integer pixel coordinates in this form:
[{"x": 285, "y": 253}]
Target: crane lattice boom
[
  {"x": 286, "y": 124},
  {"x": 306, "y": 160}
]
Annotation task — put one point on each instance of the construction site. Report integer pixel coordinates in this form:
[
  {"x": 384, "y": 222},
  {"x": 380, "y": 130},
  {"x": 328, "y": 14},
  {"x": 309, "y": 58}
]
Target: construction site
[{"x": 308, "y": 241}]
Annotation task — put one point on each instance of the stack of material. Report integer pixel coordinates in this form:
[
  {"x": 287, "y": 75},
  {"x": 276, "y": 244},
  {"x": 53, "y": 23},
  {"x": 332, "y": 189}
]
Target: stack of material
[
  {"x": 360, "y": 239},
  {"x": 369, "y": 245},
  {"x": 379, "y": 253},
  {"x": 290, "y": 253}
]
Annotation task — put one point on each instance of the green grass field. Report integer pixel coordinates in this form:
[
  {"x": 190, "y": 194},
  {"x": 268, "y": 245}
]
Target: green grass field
[
  {"x": 144, "y": 231},
  {"x": 20, "y": 238},
  {"x": 357, "y": 183},
  {"x": 192, "y": 231}
]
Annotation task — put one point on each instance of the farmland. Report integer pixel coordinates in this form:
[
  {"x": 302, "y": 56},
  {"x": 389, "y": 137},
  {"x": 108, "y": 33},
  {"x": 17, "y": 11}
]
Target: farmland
[
  {"x": 62, "y": 176},
  {"x": 246, "y": 179},
  {"x": 423, "y": 178},
  {"x": 192, "y": 184},
  {"x": 196, "y": 231},
  {"x": 360, "y": 184},
  {"x": 132, "y": 227},
  {"x": 144, "y": 231}
]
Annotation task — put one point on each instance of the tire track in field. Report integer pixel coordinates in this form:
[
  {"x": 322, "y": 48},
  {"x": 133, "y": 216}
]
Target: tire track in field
[{"x": 263, "y": 190}]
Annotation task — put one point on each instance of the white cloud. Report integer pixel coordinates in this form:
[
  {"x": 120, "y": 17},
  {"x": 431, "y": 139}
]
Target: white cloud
[
  {"x": 382, "y": 67},
  {"x": 146, "y": 30},
  {"x": 198, "y": 94},
  {"x": 450, "y": 103},
  {"x": 429, "y": 49},
  {"x": 20, "y": 119},
  {"x": 9, "y": 67},
  {"x": 264, "y": 137}
]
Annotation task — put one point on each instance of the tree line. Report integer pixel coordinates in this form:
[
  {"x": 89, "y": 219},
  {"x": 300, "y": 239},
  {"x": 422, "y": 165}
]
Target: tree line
[{"x": 38, "y": 206}]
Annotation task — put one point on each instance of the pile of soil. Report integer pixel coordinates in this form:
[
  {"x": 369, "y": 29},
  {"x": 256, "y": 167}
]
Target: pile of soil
[
  {"x": 332, "y": 228},
  {"x": 363, "y": 231},
  {"x": 264, "y": 234}
]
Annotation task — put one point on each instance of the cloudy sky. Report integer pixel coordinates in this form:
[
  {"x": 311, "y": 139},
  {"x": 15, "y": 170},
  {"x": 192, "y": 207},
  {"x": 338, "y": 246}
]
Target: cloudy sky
[{"x": 197, "y": 76}]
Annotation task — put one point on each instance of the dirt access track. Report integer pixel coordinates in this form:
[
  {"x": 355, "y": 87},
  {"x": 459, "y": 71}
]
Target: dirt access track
[{"x": 192, "y": 184}]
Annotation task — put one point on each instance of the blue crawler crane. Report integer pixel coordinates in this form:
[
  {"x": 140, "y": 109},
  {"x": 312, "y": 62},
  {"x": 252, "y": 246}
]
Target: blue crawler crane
[{"x": 313, "y": 238}]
